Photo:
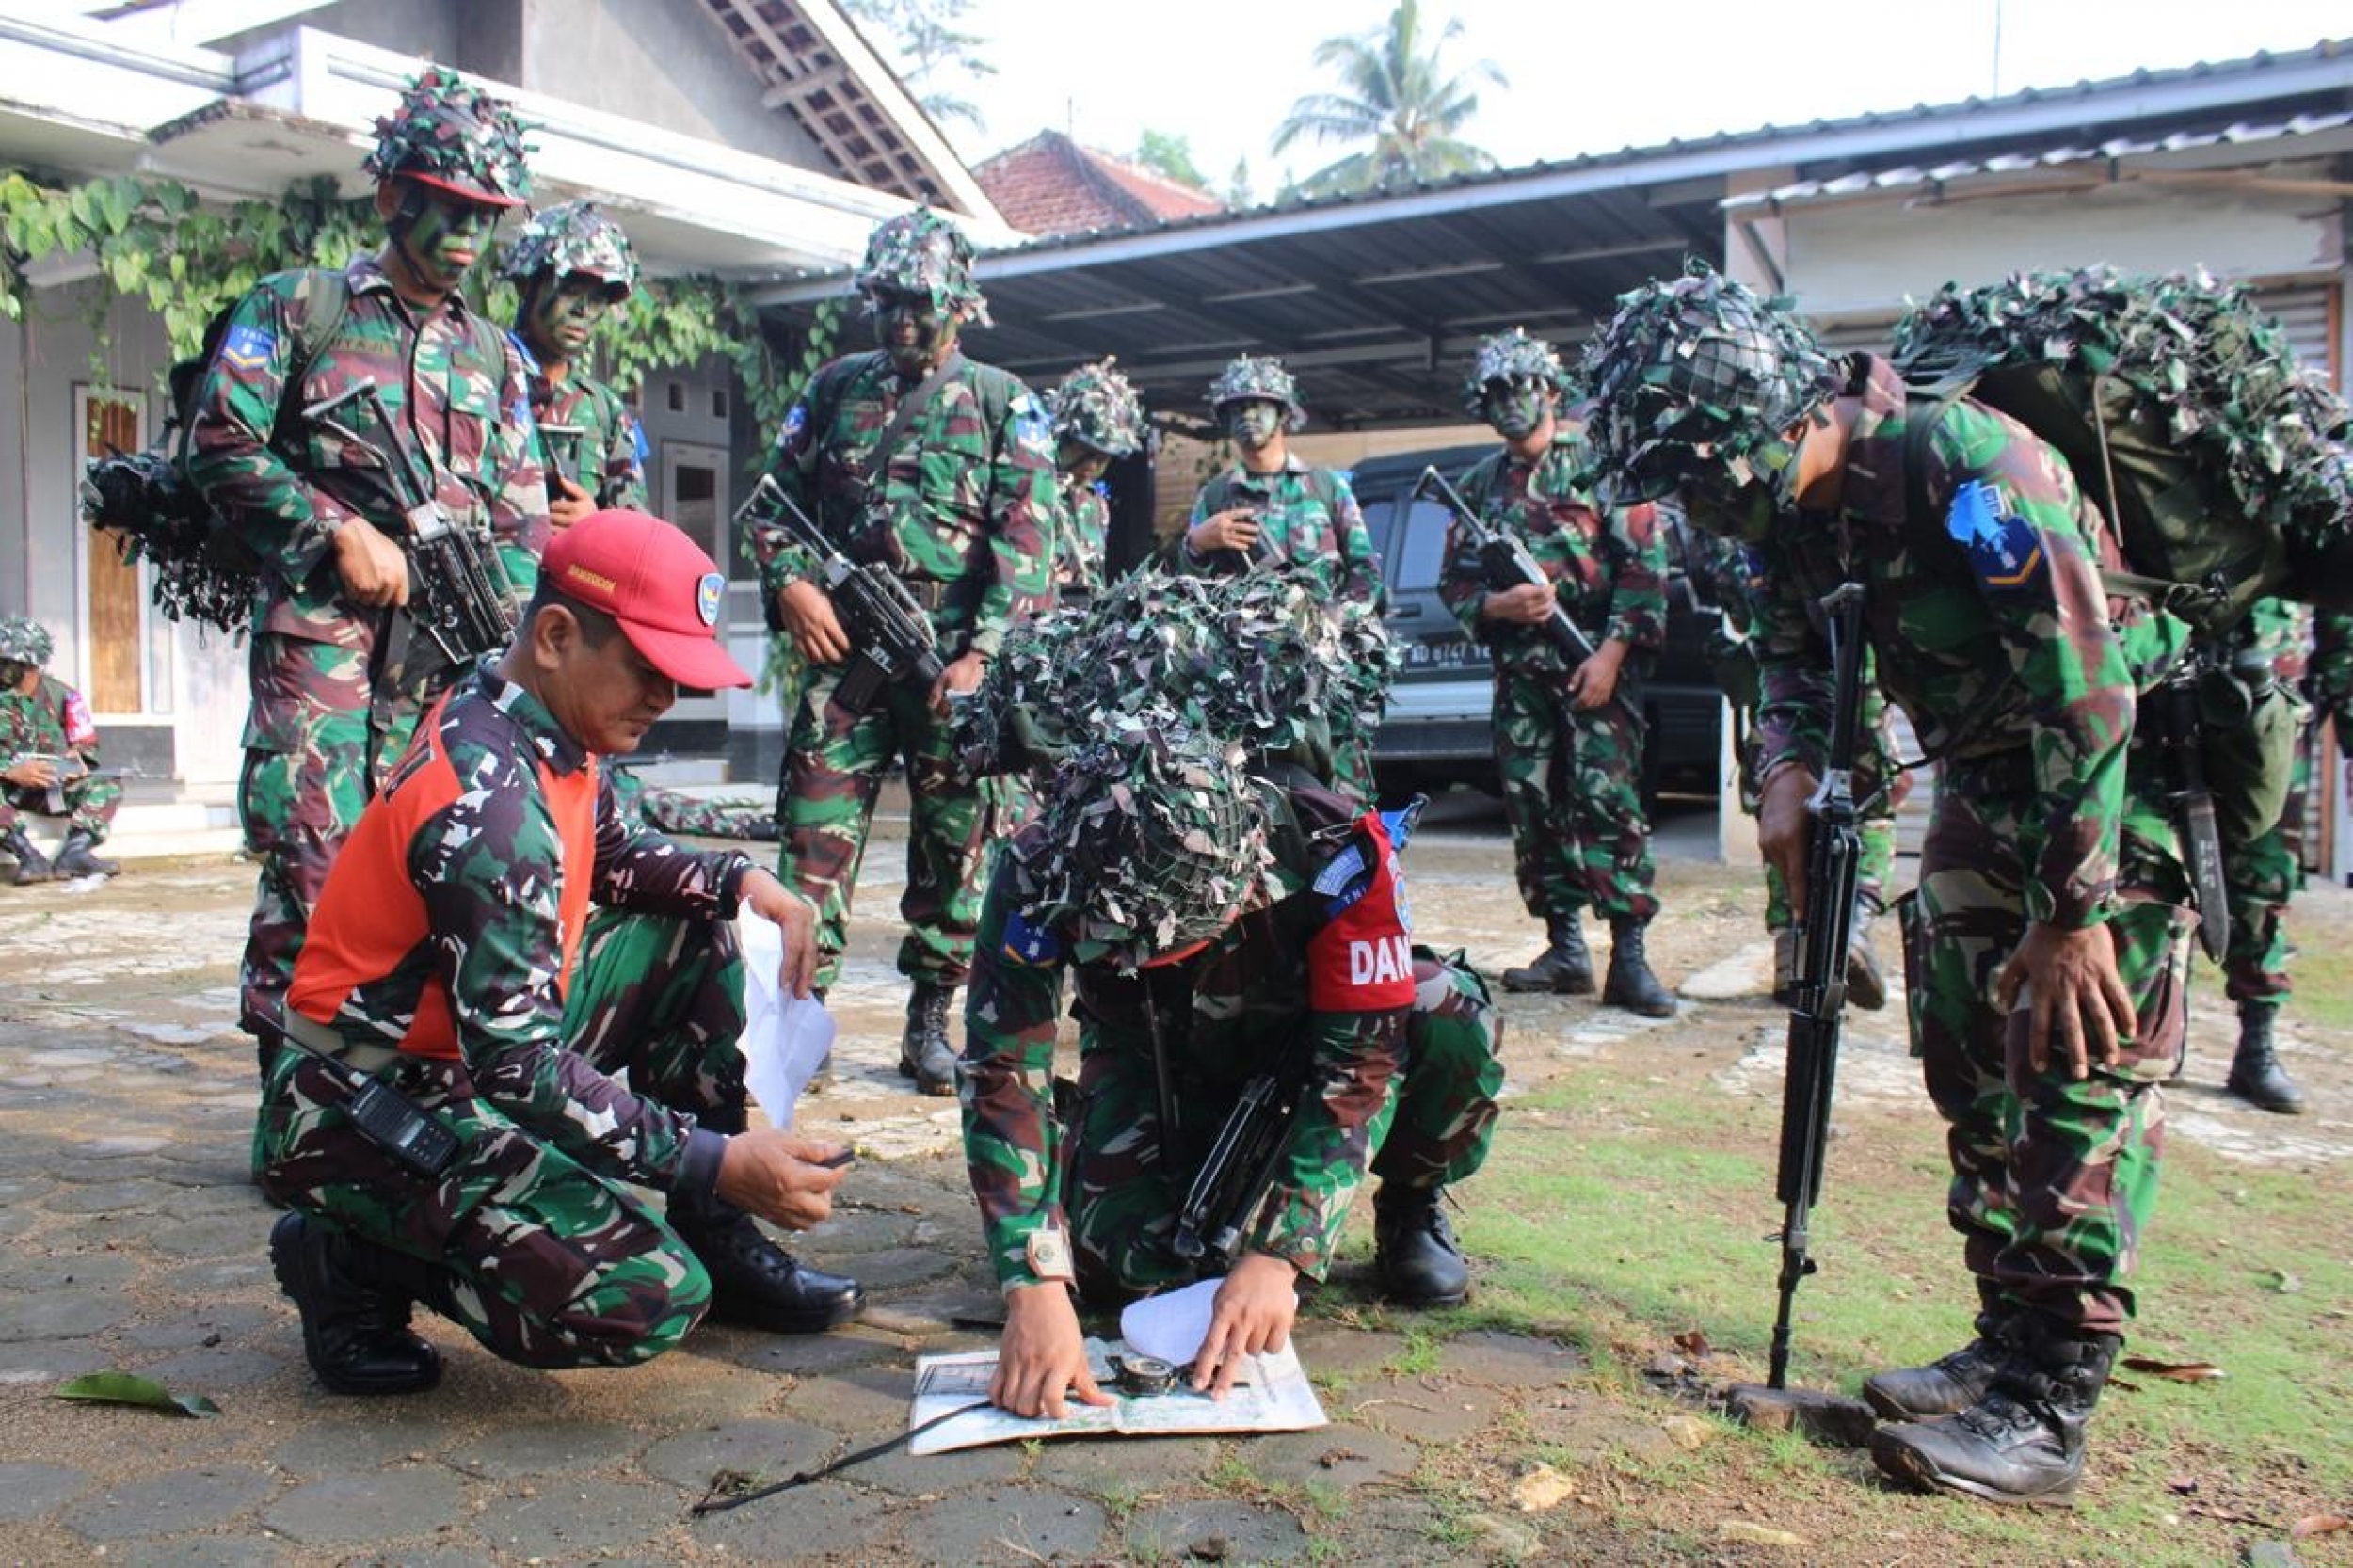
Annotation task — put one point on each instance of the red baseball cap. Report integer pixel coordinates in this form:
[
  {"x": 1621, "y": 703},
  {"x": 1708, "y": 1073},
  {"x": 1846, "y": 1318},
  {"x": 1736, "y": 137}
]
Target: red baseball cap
[{"x": 657, "y": 583}]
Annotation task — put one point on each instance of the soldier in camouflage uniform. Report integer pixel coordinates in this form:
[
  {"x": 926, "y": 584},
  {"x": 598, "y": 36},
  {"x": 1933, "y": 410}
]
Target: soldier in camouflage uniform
[
  {"x": 48, "y": 760},
  {"x": 1225, "y": 915},
  {"x": 1097, "y": 419},
  {"x": 338, "y": 679},
  {"x": 572, "y": 268},
  {"x": 942, "y": 470},
  {"x": 454, "y": 960},
  {"x": 2274, "y": 646},
  {"x": 2048, "y": 940},
  {"x": 1723, "y": 575},
  {"x": 1273, "y": 506},
  {"x": 1568, "y": 733}
]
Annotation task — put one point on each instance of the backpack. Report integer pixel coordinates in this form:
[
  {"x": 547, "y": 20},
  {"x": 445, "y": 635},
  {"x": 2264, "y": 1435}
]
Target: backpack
[{"x": 203, "y": 571}]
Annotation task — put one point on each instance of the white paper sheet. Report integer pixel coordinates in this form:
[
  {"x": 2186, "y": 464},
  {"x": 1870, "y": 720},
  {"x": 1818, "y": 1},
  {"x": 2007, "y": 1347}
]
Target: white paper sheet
[
  {"x": 785, "y": 1036},
  {"x": 1171, "y": 1326},
  {"x": 1277, "y": 1396}
]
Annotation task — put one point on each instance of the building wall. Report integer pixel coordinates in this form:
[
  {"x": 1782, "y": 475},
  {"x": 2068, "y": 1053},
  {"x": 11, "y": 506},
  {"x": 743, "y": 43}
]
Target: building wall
[
  {"x": 434, "y": 30},
  {"x": 661, "y": 61}
]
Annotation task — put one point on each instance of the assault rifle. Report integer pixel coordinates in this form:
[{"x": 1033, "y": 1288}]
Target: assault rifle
[
  {"x": 891, "y": 637},
  {"x": 1506, "y": 563},
  {"x": 1819, "y": 1005},
  {"x": 459, "y": 590},
  {"x": 2172, "y": 713},
  {"x": 69, "y": 771},
  {"x": 1235, "y": 1175},
  {"x": 563, "y": 444}
]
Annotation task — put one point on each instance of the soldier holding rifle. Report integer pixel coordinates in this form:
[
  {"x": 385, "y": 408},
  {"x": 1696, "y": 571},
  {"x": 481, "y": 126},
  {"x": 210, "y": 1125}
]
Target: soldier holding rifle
[{"x": 572, "y": 267}]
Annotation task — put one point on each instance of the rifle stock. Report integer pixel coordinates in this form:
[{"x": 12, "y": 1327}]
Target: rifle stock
[{"x": 1818, "y": 1009}]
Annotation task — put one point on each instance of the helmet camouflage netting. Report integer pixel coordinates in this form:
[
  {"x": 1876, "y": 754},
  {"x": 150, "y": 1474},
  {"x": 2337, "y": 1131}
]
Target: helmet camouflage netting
[
  {"x": 1262, "y": 659},
  {"x": 1149, "y": 839},
  {"x": 573, "y": 238},
  {"x": 921, "y": 252},
  {"x": 1252, "y": 376},
  {"x": 1693, "y": 369},
  {"x": 1094, "y": 404},
  {"x": 450, "y": 134},
  {"x": 1511, "y": 356},
  {"x": 24, "y": 641}
]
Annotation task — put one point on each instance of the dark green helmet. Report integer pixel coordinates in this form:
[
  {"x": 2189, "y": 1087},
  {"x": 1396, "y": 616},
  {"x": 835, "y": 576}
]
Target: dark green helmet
[
  {"x": 1150, "y": 839},
  {"x": 451, "y": 135},
  {"x": 921, "y": 252},
  {"x": 571, "y": 239},
  {"x": 1094, "y": 406},
  {"x": 1248, "y": 377},
  {"x": 1511, "y": 356},
  {"x": 1697, "y": 378},
  {"x": 24, "y": 641}
]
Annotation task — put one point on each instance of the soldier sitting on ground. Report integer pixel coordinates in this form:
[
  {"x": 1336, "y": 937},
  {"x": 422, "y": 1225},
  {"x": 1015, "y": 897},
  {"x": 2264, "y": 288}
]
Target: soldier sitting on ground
[
  {"x": 454, "y": 961},
  {"x": 48, "y": 760}
]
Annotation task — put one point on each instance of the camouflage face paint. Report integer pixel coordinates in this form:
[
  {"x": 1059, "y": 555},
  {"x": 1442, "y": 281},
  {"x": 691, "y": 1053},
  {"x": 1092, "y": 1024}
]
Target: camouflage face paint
[
  {"x": 440, "y": 237},
  {"x": 559, "y": 319},
  {"x": 1515, "y": 408},
  {"x": 1080, "y": 461},
  {"x": 1253, "y": 422},
  {"x": 911, "y": 328}
]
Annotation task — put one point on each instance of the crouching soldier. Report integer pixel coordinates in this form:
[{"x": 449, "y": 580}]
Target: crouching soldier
[{"x": 49, "y": 760}]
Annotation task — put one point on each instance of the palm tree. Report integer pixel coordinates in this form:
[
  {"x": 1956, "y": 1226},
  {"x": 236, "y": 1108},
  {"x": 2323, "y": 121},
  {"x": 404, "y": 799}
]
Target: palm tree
[{"x": 1399, "y": 100}]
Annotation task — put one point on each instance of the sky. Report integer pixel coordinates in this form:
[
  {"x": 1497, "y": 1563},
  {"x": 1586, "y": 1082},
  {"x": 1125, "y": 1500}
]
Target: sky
[{"x": 1583, "y": 77}]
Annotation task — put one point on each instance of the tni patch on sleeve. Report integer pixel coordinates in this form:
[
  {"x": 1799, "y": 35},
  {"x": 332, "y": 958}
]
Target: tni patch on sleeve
[
  {"x": 2003, "y": 548},
  {"x": 248, "y": 347}
]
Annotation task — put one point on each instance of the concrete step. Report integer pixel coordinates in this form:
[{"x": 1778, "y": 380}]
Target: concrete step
[{"x": 154, "y": 827}]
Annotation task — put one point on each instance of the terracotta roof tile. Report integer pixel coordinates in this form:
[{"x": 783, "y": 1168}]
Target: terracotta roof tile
[{"x": 1050, "y": 185}]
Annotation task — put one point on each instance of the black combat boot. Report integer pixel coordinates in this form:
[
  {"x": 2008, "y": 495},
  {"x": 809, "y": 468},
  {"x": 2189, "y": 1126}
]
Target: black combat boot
[
  {"x": 755, "y": 1281},
  {"x": 31, "y": 864},
  {"x": 75, "y": 859},
  {"x": 2256, "y": 1076},
  {"x": 1629, "y": 984},
  {"x": 924, "y": 1052},
  {"x": 355, "y": 1310},
  {"x": 1414, "y": 1248},
  {"x": 1566, "y": 966},
  {"x": 1951, "y": 1384},
  {"x": 2023, "y": 1441}
]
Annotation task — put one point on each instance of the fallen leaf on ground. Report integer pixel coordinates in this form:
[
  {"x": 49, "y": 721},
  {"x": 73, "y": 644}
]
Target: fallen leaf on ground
[
  {"x": 1759, "y": 1535},
  {"x": 1542, "y": 1488},
  {"x": 2184, "y": 1484},
  {"x": 144, "y": 1393},
  {"x": 2179, "y": 1371},
  {"x": 2318, "y": 1524},
  {"x": 1693, "y": 1342}
]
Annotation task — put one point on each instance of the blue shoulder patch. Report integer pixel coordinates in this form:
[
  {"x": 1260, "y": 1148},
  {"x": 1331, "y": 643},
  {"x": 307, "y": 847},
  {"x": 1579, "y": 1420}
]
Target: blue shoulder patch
[
  {"x": 794, "y": 422},
  {"x": 248, "y": 347},
  {"x": 1030, "y": 946},
  {"x": 638, "y": 443},
  {"x": 2003, "y": 546},
  {"x": 1034, "y": 428},
  {"x": 1103, "y": 488}
]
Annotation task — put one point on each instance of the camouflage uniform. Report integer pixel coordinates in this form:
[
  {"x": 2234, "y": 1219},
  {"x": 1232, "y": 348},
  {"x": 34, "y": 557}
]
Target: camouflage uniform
[
  {"x": 338, "y": 688},
  {"x": 586, "y": 433},
  {"x": 1096, "y": 412},
  {"x": 1081, "y": 521},
  {"x": 668, "y": 811},
  {"x": 1407, "y": 1066},
  {"x": 1572, "y": 779},
  {"x": 962, "y": 512},
  {"x": 50, "y": 721},
  {"x": 2021, "y": 676},
  {"x": 2265, "y": 873},
  {"x": 512, "y": 1030}
]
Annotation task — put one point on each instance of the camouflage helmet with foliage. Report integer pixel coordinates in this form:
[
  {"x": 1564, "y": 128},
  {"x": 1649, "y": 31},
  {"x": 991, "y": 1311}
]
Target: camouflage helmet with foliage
[
  {"x": 1094, "y": 406},
  {"x": 1511, "y": 356},
  {"x": 451, "y": 135},
  {"x": 1260, "y": 376},
  {"x": 1696, "y": 375},
  {"x": 921, "y": 252},
  {"x": 1151, "y": 838},
  {"x": 573, "y": 239},
  {"x": 24, "y": 641}
]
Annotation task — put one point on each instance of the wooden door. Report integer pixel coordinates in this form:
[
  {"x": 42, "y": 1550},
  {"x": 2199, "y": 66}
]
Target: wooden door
[{"x": 116, "y": 609}]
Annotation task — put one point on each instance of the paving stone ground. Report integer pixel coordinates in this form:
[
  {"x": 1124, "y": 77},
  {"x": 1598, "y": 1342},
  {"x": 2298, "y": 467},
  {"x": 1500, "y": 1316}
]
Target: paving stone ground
[{"x": 134, "y": 1240}]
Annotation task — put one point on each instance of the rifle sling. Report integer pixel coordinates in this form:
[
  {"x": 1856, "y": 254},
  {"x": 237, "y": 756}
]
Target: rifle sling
[{"x": 878, "y": 460}]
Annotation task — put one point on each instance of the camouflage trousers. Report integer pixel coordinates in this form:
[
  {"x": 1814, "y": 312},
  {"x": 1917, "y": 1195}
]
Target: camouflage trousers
[
  {"x": 89, "y": 806},
  {"x": 1572, "y": 793},
  {"x": 668, "y": 811},
  {"x": 543, "y": 1259},
  {"x": 2260, "y": 877},
  {"x": 1123, "y": 1193},
  {"x": 832, "y": 776},
  {"x": 324, "y": 731},
  {"x": 2053, "y": 1180}
]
